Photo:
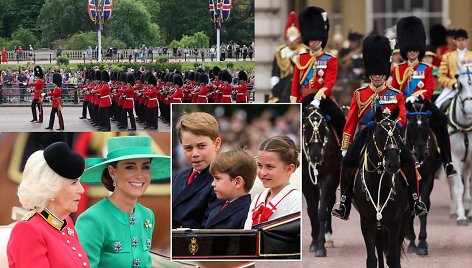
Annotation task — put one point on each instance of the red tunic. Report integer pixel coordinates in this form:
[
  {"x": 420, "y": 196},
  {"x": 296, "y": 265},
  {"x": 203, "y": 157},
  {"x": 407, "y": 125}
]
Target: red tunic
[
  {"x": 152, "y": 97},
  {"x": 402, "y": 75},
  {"x": 361, "y": 110},
  {"x": 35, "y": 243},
  {"x": 105, "y": 99},
  {"x": 56, "y": 97},
  {"x": 201, "y": 95},
  {"x": 176, "y": 97},
  {"x": 225, "y": 93},
  {"x": 38, "y": 88},
  {"x": 241, "y": 96},
  {"x": 314, "y": 75}
]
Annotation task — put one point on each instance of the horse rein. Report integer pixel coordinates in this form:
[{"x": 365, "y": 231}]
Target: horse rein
[{"x": 418, "y": 113}]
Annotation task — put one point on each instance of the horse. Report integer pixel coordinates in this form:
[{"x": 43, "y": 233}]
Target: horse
[
  {"x": 421, "y": 140},
  {"x": 321, "y": 160},
  {"x": 460, "y": 133},
  {"x": 380, "y": 192}
]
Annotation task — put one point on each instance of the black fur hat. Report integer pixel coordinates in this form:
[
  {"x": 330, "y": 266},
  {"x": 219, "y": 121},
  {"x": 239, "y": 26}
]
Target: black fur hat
[
  {"x": 197, "y": 77},
  {"x": 131, "y": 79},
  {"x": 92, "y": 75},
  {"x": 376, "y": 53},
  {"x": 57, "y": 79},
  {"x": 314, "y": 25},
  {"x": 123, "y": 77},
  {"x": 411, "y": 36},
  {"x": 204, "y": 79},
  {"x": 64, "y": 161},
  {"x": 105, "y": 76},
  {"x": 216, "y": 71},
  {"x": 226, "y": 76},
  {"x": 38, "y": 71},
  {"x": 242, "y": 76},
  {"x": 191, "y": 76},
  {"x": 178, "y": 80},
  {"x": 98, "y": 75},
  {"x": 152, "y": 79},
  {"x": 114, "y": 76}
]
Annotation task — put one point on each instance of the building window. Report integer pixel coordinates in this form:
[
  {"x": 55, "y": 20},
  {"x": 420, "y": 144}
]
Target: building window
[{"x": 386, "y": 13}]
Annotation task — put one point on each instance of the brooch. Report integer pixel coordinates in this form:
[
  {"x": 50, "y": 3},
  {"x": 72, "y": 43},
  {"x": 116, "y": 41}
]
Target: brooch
[
  {"x": 147, "y": 224},
  {"x": 420, "y": 84},
  {"x": 132, "y": 220},
  {"x": 117, "y": 246}
]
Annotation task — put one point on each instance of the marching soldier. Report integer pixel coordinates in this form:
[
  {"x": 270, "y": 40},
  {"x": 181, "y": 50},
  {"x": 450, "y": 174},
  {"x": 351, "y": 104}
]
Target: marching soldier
[
  {"x": 315, "y": 71},
  {"x": 128, "y": 104},
  {"x": 105, "y": 102},
  {"x": 241, "y": 90},
  {"x": 376, "y": 53},
  {"x": 415, "y": 79},
  {"x": 225, "y": 89},
  {"x": 201, "y": 95},
  {"x": 37, "y": 98},
  {"x": 152, "y": 103},
  {"x": 282, "y": 66},
  {"x": 56, "y": 95},
  {"x": 84, "y": 90}
]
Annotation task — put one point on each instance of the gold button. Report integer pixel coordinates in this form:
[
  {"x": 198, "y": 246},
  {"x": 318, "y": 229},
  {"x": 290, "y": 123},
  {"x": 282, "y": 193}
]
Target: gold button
[
  {"x": 85, "y": 264},
  {"x": 67, "y": 241},
  {"x": 73, "y": 248},
  {"x": 80, "y": 255}
]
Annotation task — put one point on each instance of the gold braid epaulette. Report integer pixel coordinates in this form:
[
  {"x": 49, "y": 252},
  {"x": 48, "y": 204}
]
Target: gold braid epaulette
[{"x": 406, "y": 75}]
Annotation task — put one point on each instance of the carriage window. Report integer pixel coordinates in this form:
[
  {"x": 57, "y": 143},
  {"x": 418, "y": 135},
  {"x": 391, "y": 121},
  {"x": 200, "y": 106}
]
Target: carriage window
[{"x": 386, "y": 13}]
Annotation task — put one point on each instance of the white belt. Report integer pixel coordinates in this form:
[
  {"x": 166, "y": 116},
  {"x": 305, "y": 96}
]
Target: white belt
[
  {"x": 240, "y": 94},
  {"x": 226, "y": 95},
  {"x": 179, "y": 99},
  {"x": 105, "y": 97},
  {"x": 129, "y": 98},
  {"x": 153, "y": 99}
]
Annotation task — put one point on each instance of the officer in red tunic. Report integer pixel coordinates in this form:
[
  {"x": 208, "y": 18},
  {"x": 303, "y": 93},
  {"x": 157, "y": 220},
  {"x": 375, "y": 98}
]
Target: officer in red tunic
[
  {"x": 56, "y": 95},
  {"x": 241, "y": 90},
  {"x": 415, "y": 79},
  {"x": 83, "y": 89},
  {"x": 365, "y": 101},
  {"x": 225, "y": 89},
  {"x": 105, "y": 102},
  {"x": 38, "y": 85},
  {"x": 315, "y": 71},
  {"x": 152, "y": 103}
]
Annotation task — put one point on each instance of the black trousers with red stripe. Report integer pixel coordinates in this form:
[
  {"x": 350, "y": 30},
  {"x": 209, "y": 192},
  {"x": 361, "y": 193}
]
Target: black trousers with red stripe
[
  {"x": 59, "y": 117},
  {"x": 40, "y": 109}
]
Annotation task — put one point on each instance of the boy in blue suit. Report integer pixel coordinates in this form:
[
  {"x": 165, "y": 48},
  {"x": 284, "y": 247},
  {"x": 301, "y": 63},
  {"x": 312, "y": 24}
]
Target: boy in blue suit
[
  {"x": 234, "y": 173},
  {"x": 192, "y": 194}
]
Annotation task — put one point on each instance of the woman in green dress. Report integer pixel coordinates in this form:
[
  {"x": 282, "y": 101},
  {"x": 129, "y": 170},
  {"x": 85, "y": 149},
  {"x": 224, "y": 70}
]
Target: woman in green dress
[{"x": 117, "y": 231}]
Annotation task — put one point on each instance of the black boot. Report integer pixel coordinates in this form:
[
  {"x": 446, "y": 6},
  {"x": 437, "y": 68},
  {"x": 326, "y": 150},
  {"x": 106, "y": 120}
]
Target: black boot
[
  {"x": 450, "y": 170},
  {"x": 419, "y": 208},
  {"x": 344, "y": 209}
]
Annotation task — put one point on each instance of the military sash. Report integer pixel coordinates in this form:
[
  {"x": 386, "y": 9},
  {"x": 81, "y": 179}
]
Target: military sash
[
  {"x": 321, "y": 63},
  {"x": 415, "y": 79}
]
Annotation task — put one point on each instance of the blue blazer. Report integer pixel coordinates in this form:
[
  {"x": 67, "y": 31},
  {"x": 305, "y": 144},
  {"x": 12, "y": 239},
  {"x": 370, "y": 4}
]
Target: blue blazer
[
  {"x": 232, "y": 216},
  {"x": 191, "y": 204}
]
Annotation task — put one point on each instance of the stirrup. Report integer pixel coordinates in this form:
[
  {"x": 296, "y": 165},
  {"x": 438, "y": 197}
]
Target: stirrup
[
  {"x": 450, "y": 170},
  {"x": 341, "y": 212}
]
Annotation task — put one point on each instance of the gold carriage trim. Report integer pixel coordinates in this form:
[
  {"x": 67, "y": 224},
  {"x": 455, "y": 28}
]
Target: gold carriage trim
[{"x": 346, "y": 141}]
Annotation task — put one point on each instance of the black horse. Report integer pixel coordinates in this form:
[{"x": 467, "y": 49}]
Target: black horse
[
  {"x": 321, "y": 160},
  {"x": 380, "y": 192},
  {"x": 422, "y": 142}
]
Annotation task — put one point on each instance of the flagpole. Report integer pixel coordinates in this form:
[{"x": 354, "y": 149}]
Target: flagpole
[
  {"x": 99, "y": 45},
  {"x": 100, "y": 21},
  {"x": 218, "y": 52}
]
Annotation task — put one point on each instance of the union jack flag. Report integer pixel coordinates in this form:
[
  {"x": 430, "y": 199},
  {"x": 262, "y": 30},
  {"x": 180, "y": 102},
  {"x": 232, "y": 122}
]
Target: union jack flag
[
  {"x": 107, "y": 9},
  {"x": 92, "y": 11},
  {"x": 219, "y": 11}
]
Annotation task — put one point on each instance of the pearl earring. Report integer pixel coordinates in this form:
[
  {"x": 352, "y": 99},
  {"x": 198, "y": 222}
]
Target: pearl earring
[
  {"x": 114, "y": 183},
  {"x": 52, "y": 199}
]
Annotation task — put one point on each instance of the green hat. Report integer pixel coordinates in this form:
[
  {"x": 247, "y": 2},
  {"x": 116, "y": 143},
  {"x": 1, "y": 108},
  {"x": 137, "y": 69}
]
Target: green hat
[{"x": 127, "y": 147}]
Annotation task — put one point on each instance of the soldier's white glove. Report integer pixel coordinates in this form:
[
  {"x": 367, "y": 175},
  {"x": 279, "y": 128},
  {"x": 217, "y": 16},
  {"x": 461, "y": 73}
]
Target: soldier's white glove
[
  {"x": 412, "y": 99},
  {"x": 274, "y": 81},
  {"x": 315, "y": 102},
  {"x": 343, "y": 152},
  {"x": 43, "y": 94}
]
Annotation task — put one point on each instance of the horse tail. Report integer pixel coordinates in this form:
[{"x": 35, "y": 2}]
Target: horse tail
[{"x": 380, "y": 245}]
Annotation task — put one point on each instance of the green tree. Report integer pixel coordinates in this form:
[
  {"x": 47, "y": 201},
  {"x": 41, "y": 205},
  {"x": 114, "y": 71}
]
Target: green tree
[
  {"x": 61, "y": 19},
  {"x": 82, "y": 40},
  {"x": 199, "y": 39},
  {"x": 19, "y": 13},
  {"x": 131, "y": 23},
  {"x": 153, "y": 7},
  {"x": 25, "y": 37}
]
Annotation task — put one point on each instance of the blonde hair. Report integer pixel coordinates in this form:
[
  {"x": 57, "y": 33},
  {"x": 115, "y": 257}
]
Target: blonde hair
[
  {"x": 198, "y": 123},
  {"x": 284, "y": 147},
  {"x": 39, "y": 183},
  {"x": 236, "y": 163}
]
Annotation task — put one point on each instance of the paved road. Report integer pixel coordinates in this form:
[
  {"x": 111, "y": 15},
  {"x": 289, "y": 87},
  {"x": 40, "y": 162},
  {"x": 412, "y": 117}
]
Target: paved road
[
  {"x": 450, "y": 246},
  {"x": 17, "y": 119}
]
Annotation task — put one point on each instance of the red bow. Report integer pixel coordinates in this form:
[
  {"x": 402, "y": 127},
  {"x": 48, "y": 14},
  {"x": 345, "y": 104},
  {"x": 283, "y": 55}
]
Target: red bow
[{"x": 261, "y": 214}]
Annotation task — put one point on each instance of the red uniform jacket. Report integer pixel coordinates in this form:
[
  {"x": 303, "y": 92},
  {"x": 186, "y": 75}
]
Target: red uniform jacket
[
  {"x": 362, "y": 109},
  {"x": 201, "y": 95},
  {"x": 38, "y": 88},
  {"x": 314, "y": 75},
  {"x": 152, "y": 95},
  {"x": 225, "y": 91},
  {"x": 422, "y": 80},
  {"x": 56, "y": 97},
  {"x": 129, "y": 101},
  {"x": 105, "y": 99},
  {"x": 35, "y": 243},
  {"x": 176, "y": 97},
  {"x": 242, "y": 93}
]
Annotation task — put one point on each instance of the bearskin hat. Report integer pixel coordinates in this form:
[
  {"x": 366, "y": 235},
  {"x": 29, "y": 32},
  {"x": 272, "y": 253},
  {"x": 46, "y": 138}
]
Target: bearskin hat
[
  {"x": 98, "y": 75},
  {"x": 57, "y": 79},
  {"x": 411, "y": 36},
  {"x": 314, "y": 25},
  {"x": 178, "y": 80},
  {"x": 376, "y": 53},
  {"x": 123, "y": 76},
  {"x": 158, "y": 75},
  {"x": 137, "y": 75},
  {"x": 353, "y": 36},
  {"x": 113, "y": 76},
  {"x": 226, "y": 76},
  {"x": 216, "y": 71},
  {"x": 105, "y": 76},
  {"x": 437, "y": 36},
  {"x": 191, "y": 76},
  {"x": 292, "y": 28},
  {"x": 38, "y": 71},
  {"x": 152, "y": 80},
  {"x": 204, "y": 79},
  {"x": 242, "y": 76},
  {"x": 197, "y": 77},
  {"x": 131, "y": 79}
]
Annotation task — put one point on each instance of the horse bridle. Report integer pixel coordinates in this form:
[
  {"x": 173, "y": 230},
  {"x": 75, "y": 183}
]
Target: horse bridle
[
  {"x": 315, "y": 134},
  {"x": 469, "y": 81},
  {"x": 389, "y": 126},
  {"x": 418, "y": 115}
]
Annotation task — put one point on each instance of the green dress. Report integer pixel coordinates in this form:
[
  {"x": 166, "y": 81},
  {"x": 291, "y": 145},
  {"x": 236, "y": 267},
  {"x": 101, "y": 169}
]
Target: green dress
[{"x": 113, "y": 238}]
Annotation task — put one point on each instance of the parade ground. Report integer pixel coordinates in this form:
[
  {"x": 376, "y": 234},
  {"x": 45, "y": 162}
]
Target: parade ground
[{"x": 16, "y": 118}]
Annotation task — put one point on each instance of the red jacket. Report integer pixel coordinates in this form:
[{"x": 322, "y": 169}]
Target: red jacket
[
  {"x": 242, "y": 93},
  {"x": 319, "y": 80},
  {"x": 403, "y": 74},
  {"x": 361, "y": 110},
  {"x": 225, "y": 91},
  {"x": 38, "y": 88},
  {"x": 201, "y": 95},
  {"x": 56, "y": 97},
  {"x": 35, "y": 243},
  {"x": 176, "y": 97},
  {"x": 105, "y": 99},
  {"x": 152, "y": 95}
]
